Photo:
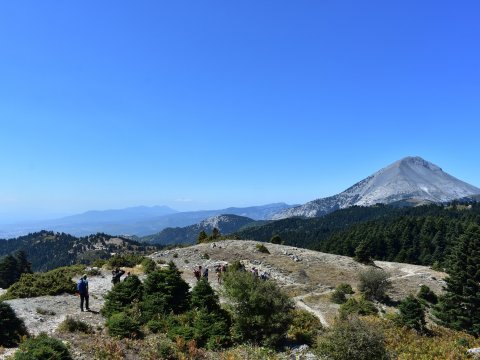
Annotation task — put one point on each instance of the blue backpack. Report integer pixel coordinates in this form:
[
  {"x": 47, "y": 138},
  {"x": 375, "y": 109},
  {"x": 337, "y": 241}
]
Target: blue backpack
[{"x": 82, "y": 286}]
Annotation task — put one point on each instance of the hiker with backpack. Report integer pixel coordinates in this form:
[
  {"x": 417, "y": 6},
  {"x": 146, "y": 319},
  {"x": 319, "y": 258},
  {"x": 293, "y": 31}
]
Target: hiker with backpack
[{"x": 82, "y": 288}]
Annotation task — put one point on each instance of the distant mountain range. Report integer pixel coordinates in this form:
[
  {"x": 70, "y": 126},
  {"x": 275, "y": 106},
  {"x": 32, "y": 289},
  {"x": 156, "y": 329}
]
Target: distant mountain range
[
  {"x": 138, "y": 221},
  {"x": 188, "y": 235},
  {"x": 411, "y": 180}
]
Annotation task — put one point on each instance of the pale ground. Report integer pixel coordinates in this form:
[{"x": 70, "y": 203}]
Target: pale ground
[{"x": 308, "y": 276}]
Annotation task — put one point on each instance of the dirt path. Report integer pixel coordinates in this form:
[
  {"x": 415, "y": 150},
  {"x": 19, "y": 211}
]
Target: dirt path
[{"x": 299, "y": 302}]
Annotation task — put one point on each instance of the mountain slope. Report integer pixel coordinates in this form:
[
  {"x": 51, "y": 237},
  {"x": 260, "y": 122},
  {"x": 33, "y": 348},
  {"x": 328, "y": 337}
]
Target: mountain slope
[
  {"x": 409, "y": 179},
  {"x": 47, "y": 250},
  {"x": 188, "y": 235}
]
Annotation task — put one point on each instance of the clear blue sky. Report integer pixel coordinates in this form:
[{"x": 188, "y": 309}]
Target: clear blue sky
[{"x": 208, "y": 104}]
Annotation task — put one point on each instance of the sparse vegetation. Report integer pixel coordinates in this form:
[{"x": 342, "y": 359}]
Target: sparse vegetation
[
  {"x": 42, "y": 311},
  {"x": 72, "y": 325}
]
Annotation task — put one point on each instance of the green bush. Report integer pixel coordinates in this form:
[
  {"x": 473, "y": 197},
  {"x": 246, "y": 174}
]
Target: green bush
[
  {"x": 276, "y": 239},
  {"x": 361, "y": 307},
  {"x": 42, "y": 347},
  {"x": 54, "y": 282},
  {"x": 374, "y": 284},
  {"x": 338, "y": 296},
  {"x": 124, "y": 260},
  {"x": 260, "y": 310},
  {"x": 148, "y": 265},
  {"x": 12, "y": 328},
  {"x": 123, "y": 325},
  {"x": 72, "y": 325},
  {"x": 345, "y": 288},
  {"x": 99, "y": 263},
  {"x": 352, "y": 339},
  {"x": 305, "y": 327},
  {"x": 412, "y": 314},
  {"x": 426, "y": 294},
  {"x": 122, "y": 296},
  {"x": 262, "y": 248}
]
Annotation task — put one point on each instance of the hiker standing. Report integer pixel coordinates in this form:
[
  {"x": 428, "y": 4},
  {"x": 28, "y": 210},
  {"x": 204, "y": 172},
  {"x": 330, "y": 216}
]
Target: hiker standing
[
  {"x": 116, "y": 275},
  {"x": 82, "y": 288},
  {"x": 218, "y": 271},
  {"x": 205, "y": 274},
  {"x": 196, "y": 273}
]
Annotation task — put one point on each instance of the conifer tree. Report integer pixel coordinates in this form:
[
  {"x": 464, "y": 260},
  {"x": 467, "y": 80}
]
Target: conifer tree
[
  {"x": 167, "y": 290},
  {"x": 202, "y": 237},
  {"x": 459, "y": 307},
  {"x": 412, "y": 313}
]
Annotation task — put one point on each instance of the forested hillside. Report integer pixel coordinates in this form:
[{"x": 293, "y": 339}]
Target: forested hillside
[
  {"x": 48, "y": 250},
  {"x": 418, "y": 235}
]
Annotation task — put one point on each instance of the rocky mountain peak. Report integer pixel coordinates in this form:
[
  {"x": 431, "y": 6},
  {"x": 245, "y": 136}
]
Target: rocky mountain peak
[{"x": 409, "y": 179}]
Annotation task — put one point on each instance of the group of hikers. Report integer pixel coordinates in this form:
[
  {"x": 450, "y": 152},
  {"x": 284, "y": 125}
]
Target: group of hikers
[
  {"x": 82, "y": 286},
  {"x": 198, "y": 273}
]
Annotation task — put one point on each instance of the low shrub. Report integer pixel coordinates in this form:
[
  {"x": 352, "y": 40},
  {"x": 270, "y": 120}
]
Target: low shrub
[
  {"x": 123, "y": 325},
  {"x": 54, "y": 282},
  {"x": 352, "y": 339},
  {"x": 148, "y": 265},
  {"x": 42, "y": 311},
  {"x": 124, "y": 260},
  {"x": 12, "y": 328},
  {"x": 345, "y": 288},
  {"x": 338, "y": 296},
  {"x": 98, "y": 263},
  {"x": 42, "y": 347},
  {"x": 276, "y": 239},
  {"x": 72, "y": 325},
  {"x": 305, "y": 327},
  {"x": 374, "y": 284},
  {"x": 262, "y": 248},
  {"x": 361, "y": 307}
]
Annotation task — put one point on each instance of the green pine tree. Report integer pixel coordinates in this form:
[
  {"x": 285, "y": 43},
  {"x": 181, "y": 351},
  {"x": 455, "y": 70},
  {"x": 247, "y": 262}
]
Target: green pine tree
[
  {"x": 202, "y": 237},
  {"x": 459, "y": 307},
  {"x": 412, "y": 313}
]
